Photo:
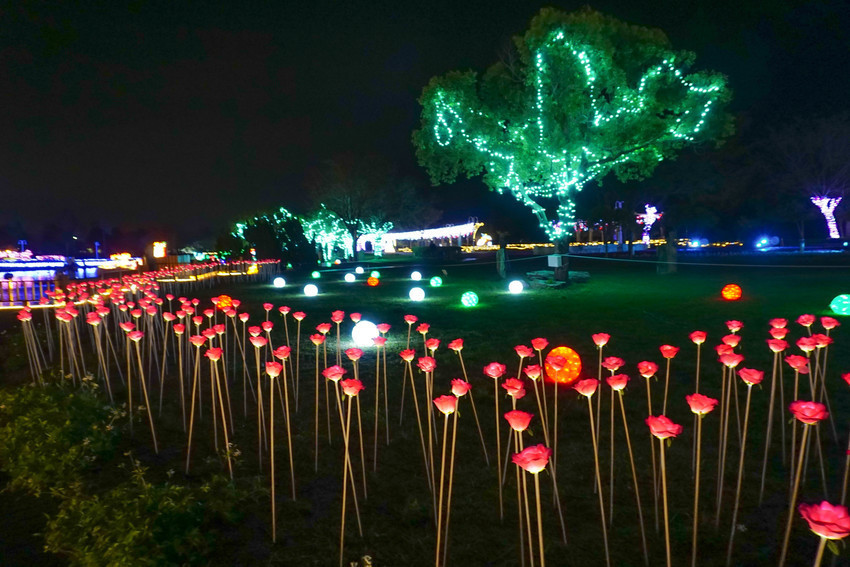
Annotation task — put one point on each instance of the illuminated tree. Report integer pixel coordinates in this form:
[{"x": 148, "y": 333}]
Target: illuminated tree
[
  {"x": 274, "y": 234},
  {"x": 588, "y": 96},
  {"x": 807, "y": 162},
  {"x": 327, "y": 231}
]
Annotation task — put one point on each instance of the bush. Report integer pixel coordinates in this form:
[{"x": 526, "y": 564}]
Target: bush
[
  {"x": 50, "y": 435},
  {"x": 140, "y": 523}
]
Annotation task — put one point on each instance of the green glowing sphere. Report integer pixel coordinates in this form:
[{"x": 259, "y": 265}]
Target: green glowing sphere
[
  {"x": 841, "y": 304},
  {"x": 316, "y": 275},
  {"x": 469, "y": 299},
  {"x": 436, "y": 281},
  {"x": 375, "y": 274}
]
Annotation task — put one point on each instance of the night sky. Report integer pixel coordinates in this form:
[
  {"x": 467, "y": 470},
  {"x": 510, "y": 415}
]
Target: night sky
[{"x": 189, "y": 114}]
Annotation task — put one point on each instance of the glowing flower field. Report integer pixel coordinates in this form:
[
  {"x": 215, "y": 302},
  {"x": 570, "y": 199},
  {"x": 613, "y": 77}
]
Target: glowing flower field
[{"x": 612, "y": 422}]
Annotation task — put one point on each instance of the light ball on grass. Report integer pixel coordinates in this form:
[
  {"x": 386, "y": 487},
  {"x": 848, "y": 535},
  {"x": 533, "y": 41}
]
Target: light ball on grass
[
  {"x": 375, "y": 274},
  {"x": 571, "y": 369},
  {"x": 840, "y": 305},
  {"x": 372, "y": 281},
  {"x": 469, "y": 299},
  {"x": 731, "y": 292},
  {"x": 436, "y": 281},
  {"x": 358, "y": 270},
  {"x": 316, "y": 275},
  {"x": 311, "y": 290},
  {"x": 415, "y": 276},
  {"x": 516, "y": 286},
  {"x": 363, "y": 333},
  {"x": 279, "y": 282},
  {"x": 417, "y": 294},
  {"x": 349, "y": 277}
]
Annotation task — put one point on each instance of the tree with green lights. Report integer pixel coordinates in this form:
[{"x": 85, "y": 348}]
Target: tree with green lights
[
  {"x": 586, "y": 95},
  {"x": 275, "y": 233}
]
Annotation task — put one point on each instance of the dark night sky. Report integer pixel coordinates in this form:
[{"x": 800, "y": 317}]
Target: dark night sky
[{"x": 190, "y": 113}]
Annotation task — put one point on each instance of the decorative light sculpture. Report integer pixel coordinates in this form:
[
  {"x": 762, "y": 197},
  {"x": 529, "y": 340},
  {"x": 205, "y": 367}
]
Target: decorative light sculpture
[
  {"x": 415, "y": 276},
  {"x": 279, "y": 282},
  {"x": 358, "y": 270},
  {"x": 375, "y": 274},
  {"x": 349, "y": 278},
  {"x": 648, "y": 219},
  {"x": 827, "y": 208},
  {"x": 316, "y": 274},
  {"x": 436, "y": 281},
  {"x": 841, "y": 304},
  {"x": 469, "y": 299},
  {"x": 416, "y": 294},
  {"x": 572, "y": 365},
  {"x": 372, "y": 281},
  {"x": 363, "y": 333},
  {"x": 516, "y": 287},
  {"x": 731, "y": 292},
  {"x": 311, "y": 290}
]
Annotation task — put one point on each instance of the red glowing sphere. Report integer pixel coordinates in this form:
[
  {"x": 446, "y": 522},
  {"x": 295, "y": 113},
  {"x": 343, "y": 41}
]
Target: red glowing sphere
[
  {"x": 572, "y": 365},
  {"x": 372, "y": 281},
  {"x": 731, "y": 292}
]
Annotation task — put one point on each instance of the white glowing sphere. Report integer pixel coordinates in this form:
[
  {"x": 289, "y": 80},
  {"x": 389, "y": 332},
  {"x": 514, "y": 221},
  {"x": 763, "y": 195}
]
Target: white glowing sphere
[
  {"x": 415, "y": 276},
  {"x": 358, "y": 270},
  {"x": 279, "y": 282},
  {"x": 311, "y": 290},
  {"x": 363, "y": 333},
  {"x": 516, "y": 286},
  {"x": 417, "y": 294},
  {"x": 350, "y": 277}
]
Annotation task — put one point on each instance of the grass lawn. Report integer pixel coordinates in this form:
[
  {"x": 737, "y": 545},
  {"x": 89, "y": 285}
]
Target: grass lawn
[{"x": 638, "y": 308}]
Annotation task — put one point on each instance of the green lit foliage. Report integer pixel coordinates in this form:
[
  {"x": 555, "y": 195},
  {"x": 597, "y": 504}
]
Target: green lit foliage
[
  {"x": 49, "y": 436},
  {"x": 587, "y": 96},
  {"x": 274, "y": 234},
  {"x": 326, "y": 230}
]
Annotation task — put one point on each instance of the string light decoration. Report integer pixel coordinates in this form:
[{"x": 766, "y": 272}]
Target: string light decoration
[
  {"x": 827, "y": 205},
  {"x": 326, "y": 229},
  {"x": 469, "y": 299},
  {"x": 647, "y": 219},
  {"x": 581, "y": 110}
]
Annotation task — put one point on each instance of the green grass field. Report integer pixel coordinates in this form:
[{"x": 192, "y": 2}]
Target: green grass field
[{"x": 638, "y": 308}]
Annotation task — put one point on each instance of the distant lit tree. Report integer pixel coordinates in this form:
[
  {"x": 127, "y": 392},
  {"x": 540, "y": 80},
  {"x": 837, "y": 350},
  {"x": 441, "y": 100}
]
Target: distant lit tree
[
  {"x": 328, "y": 232},
  {"x": 587, "y": 95},
  {"x": 273, "y": 234},
  {"x": 808, "y": 162}
]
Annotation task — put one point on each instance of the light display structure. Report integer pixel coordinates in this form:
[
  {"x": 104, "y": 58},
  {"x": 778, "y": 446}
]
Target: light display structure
[
  {"x": 647, "y": 219},
  {"x": 582, "y": 110},
  {"x": 827, "y": 205}
]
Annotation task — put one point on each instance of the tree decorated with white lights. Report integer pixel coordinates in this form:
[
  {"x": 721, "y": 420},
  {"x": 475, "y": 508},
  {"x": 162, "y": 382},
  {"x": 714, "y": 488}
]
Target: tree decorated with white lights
[
  {"x": 588, "y": 96},
  {"x": 329, "y": 233}
]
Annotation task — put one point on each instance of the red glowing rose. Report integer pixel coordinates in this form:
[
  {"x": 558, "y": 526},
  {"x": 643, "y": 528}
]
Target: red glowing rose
[
  {"x": 356, "y": 317},
  {"x": 323, "y": 328},
  {"x": 282, "y": 352},
  {"x": 701, "y": 404},
  {"x": 299, "y": 315},
  {"x": 533, "y": 371},
  {"x": 829, "y": 323},
  {"x": 351, "y": 387},
  {"x": 197, "y": 340},
  {"x": 539, "y": 343},
  {"x": 337, "y": 316},
  {"x": 523, "y": 351},
  {"x": 213, "y": 354},
  {"x": 734, "y": 326},
  {"x": 731, "y": 360},
  {"x": 268, "y": 306},
  {"x": 750, "y": 376},
  {"x": 273, "y": 369},
  {"x": 613, "y": 363},
  {"x": 518, "y": 420},
  {"x": 432, "y": 344},
  {"x": 586, "y": 387},
  {"x": 267, "y": 326},
  {"x": 821, "y": 340},
  {"x": 446, "y": 404},
  {"x": 410, "y": 319},
  {"x": 334, "y": 372},
  {"x": 731, "y": 340},
  {"x": 668, "y": 351},
  {"x": 254, "y": 331},
  {"x": 513, "y": 386},
  {"x": 617, "y": 381},
  {"x": 379, "y": 341},
  {"x": 258, "y": 342},
  {"x": 354, "y": 354},
  {"x": 383, "y": 328},
  {"x": 283, "y": 309},
  {"x": 807, "y": 344},
  {"x": 777, "y": 345},
  {"x": 600, "y": 339},
  {"x": 456, "y": 345},
  {"x": 179, "y": 328},
  {"x": 798, "y": 363},
  {"x": 317, "y": 339},
  {"x": 806, "y": 320},
  {"x": 495, "y": 370},
  {"x": 826, "y": 520},
  {"x": 407, "y": 354},
  {"x": 423, "y": 328},
  {"x": 460, "y": 387},
  {"x": 647, "y": 369},
  {"x": 808, "y": 412},
  {"x": 778, "y": 323},
  {"x": 533, "y": 459},
  {"x": 698, "y": 337},
  {"x": 135, "y": 335},
  {"x": 426, "y": 364},
  {"x": 662, "y": 428}
]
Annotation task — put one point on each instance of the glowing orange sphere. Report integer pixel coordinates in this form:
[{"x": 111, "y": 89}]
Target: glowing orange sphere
[
  {"x": 731, "y": 292},
  {"x": 372, "y": 281},
  {"x": 224, "y": 302},
  {"x": 572, "y": 367}
]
